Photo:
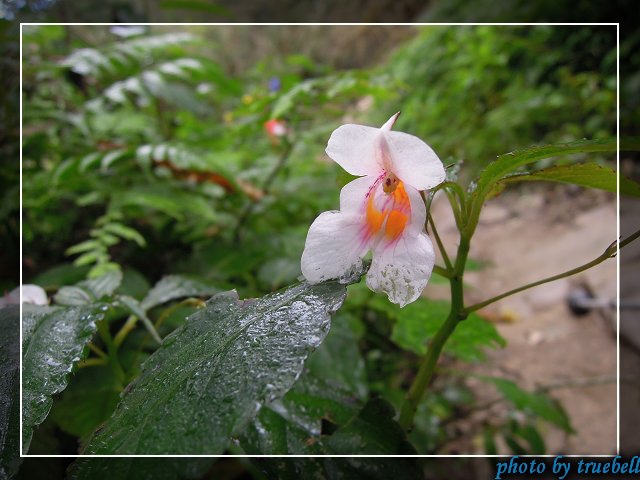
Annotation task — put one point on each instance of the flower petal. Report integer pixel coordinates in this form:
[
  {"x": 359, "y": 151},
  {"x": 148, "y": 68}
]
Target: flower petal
[
  {"x": 413, "y": 161},
  {"x": 356, "y": 149},
  {"x": 333, "y": 248},
  {"x": 418, "y": 211},
  {"x": 389, "y": 123},
  {"x": 354, "y": 195},
  {"x": 402, "y": 269}
]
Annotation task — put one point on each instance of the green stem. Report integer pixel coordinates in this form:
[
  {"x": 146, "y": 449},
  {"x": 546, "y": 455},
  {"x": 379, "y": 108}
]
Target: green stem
[
  {"x": 428, "y": 365},
  {"x": 93, "y": 362},
  {"x": 443, "y": 272},
  {"x": 609, "y": 252},
  {"x": 629, "y": 239},
  {"x": 443, "y": 251},
  {"x": 112, "y": 350},
  {"x": 124, "y": 331},
  {"x": 97, "y": 350},
  {"x": 456, "y": 207}
]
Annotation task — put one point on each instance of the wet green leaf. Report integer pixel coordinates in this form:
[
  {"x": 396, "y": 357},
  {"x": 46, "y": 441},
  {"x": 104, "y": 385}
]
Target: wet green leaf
[
  {"x": 211, "y": 376},
  {"x": 293, "y": 424},
  {"x": 53, "y": 341},
  {"x": 9, "y": 391}
]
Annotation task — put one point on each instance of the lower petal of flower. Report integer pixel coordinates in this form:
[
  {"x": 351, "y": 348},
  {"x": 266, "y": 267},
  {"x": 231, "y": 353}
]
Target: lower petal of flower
[
  {"x": 334, "y": 247},
  {"x": 402, "y": 269},
  {"x": 396, "y": 221}
]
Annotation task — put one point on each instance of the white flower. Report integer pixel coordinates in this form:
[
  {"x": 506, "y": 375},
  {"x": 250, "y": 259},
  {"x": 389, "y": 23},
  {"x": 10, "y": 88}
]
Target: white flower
[
  {"x": 382, "y": 211},
  {"x": 30, "y": 294}
]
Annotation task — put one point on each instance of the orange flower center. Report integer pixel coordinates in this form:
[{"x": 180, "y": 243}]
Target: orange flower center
[{"x": 393, "y": 215}]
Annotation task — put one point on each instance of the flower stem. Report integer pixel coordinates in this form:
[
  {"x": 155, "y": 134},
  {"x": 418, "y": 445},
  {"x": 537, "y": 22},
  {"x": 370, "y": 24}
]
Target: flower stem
[
  {"x": 609, "y": 252},
  {"x": 428, "y": 365},
  {"x": 443, "y": 251}
]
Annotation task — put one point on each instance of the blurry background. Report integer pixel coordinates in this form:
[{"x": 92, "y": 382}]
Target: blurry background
[{"x": 169, "y": 131}]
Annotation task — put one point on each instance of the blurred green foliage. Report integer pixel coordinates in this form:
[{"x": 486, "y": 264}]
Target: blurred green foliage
[
  {"x": 147, "y": 155},
  {"x": 476, "y": 92}
]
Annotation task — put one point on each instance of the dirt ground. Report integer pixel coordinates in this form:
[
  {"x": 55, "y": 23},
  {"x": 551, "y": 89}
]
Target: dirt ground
[{"x": 525, "y": 235}]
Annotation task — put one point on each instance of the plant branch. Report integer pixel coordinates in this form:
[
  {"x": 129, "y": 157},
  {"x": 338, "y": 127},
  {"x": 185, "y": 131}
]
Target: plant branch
[
  {"x": 429, "y": 361},
  {"x": 97, "y": 350},
  {"x": 443, "y": 272},
  {"x": 93, "y": 362},
  {"x": 443, "y": 251},
  {"x": 124, "y": 331},
  {"x": 609, "y": 252}
]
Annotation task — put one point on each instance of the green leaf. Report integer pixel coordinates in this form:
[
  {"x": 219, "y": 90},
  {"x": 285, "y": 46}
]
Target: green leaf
[
  {"x": 279, "y": 271},
  {"x": 125, "y": 232},
  {"x": 419, "y": 322},
  {"x": 538, "y": 404},
  {"x": 103, "y": 285},
  {"x": 173, "y": 287},
  {"x": 509, "y": 162},
  {"x": 73, "y": 296},
  {"x": 299, "y": 424},
  {"x": 85, "y": 246},
  {"x": 489, "y": 441},
  {"x": 338, "y": 360},
  {"x": 124, "y": 468},
  {"x": 293, "y": 424},
  {"x": 372, "y": 432},
  {"x": 88, "y": 258},
  {"x": 133, "y": 284},
  {"x": 591, "y": 175},
  {"x": 152, "y": 200},
  {"x": 531, "y": 435},
  {"x": 134, "y": 307},
  {"x": 211, "y": 376},
  {"x": 9, "y": 391},
  {"x": 60, "y": 275},
  {"x": 90, "y": 398},
  {"x": 87, "y": 291},
  {"x": 53, "y": 341}
]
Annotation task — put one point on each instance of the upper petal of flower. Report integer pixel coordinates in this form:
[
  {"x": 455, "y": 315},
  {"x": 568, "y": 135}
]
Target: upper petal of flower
[
  {"x": 356, "y": 149},
  {"x": 402, "y": 269},
  {"x": 412, "y": 160},
  {"x": 333, "y": 248}
]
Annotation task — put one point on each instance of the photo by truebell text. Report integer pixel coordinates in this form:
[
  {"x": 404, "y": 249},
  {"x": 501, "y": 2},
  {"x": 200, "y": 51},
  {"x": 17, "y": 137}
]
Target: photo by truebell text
[{"x": 567, "y": 467}]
